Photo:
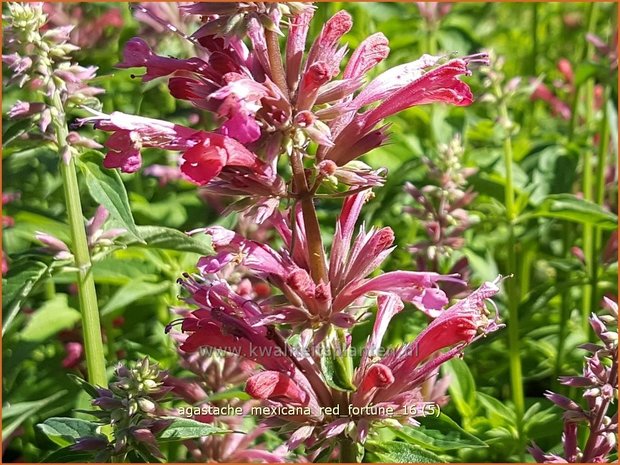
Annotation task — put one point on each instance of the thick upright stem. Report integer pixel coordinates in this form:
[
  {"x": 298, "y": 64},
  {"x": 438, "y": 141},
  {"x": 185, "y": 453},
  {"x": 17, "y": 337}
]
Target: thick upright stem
[
  {"x": 91, "y": 326},
  {"x": 589, "y": 249},
  {"x": 318, "y": 270},
  {"x": 275, "y": 60},
  {"x": 516, "y": 376},
  {"x": 348, "y": 450},
  {"x": 599, "y": 197}
]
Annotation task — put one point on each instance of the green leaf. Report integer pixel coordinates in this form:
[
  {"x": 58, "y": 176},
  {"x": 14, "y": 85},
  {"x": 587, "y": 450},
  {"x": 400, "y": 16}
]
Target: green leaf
[
  {"x": 462, "y": 386},
  {"x": 107, "y": 188},
  {"x": 54, "y": 316},
  {"x": 585, "y": 71},
  {"x": 160, "y": 237},
  {"x": 132, "y": 292},
  {"x": 85, "y": 385},
  {"x": 230, "y": 394},
  {"x": 66, "y": 431},
  {"x": 24, "y": 410},
  {"x": 497, "y": 412},
  {"x": 438, "y": 434},
  {"x": 401, "y": 452},
  {"x": 68, "y": 455},
  {"x": 20, "y": 281},
  {"x": 186, "y": 428},
  {"x": 336, "y": 373},
  {"x": 571, "y": 208},
  {"x": 16, "y": 130}
]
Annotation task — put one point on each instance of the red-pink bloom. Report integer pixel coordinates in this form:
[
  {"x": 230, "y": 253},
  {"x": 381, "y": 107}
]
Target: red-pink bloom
[
  {"x": 205, "y": 160},
  {"x": 237, "y": 83},
  {"x": 558, "y": 107},
  {"x": 137, "y": 53},
  {"x": 204, "y": 156},
  {"x": 274, "y": 386},
  {"x": 412, "y": 364},
  {"x": 74, "y": 352},
  {"x": 351, "y": 260},
  {"x": 132, "y": 133}
]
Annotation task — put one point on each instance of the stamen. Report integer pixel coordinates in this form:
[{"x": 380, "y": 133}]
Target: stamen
[
  {"x": 177, "y": 322},
  {"x": 482, "y": 58},
  {"x": 166, "y": 24}
]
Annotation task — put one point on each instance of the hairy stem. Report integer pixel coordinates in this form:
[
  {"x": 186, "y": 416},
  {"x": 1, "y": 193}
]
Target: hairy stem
[
  {"x": 318, "y": 270},
  {"x": 275, "y": 60},
  {"x": 91, "y": 327}
]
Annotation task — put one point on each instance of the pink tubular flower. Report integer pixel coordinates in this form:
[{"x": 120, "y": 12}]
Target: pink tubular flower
[
  {"x": 205, "y": 160},
  {"x": 257, "y": 107},
  {"x": 454, "y": 329},
  {"x": 137, "y": 53},
  {"x": 351, "y": 261},
  {"x": 205, "y": 154},
  {"x": 131, "y": 133}
]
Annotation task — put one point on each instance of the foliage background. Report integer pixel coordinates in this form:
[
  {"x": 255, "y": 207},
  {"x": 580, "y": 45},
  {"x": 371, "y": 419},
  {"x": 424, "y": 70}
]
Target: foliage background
[{"x": 136, "y": 284}]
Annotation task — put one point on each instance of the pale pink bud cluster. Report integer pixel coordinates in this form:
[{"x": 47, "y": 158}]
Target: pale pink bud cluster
[
  {"x": 39, "y": 57},
  {"x": 98, "y": 238},
  {"x": 442, "y": 209}
]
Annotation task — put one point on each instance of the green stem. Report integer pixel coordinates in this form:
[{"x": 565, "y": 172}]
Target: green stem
[
  {"x": 534, "y": 57},
  {"x": 348, "y": 450},
  {"x": 50, "y": 289},
  {"x": 512, "y": 290},
  {"x": 93, "y": 344},
  {"x": 599, "y": 186},
  {"x": 565, "y": 305},
  {"x": 589, "y": 249},
  {"x": 591, "y": 22}
]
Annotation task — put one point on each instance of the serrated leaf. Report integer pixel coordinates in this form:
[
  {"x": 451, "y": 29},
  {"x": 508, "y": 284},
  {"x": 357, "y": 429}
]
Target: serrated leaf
[
  {"x": 107, "y": 188},
  {"x": 66, "y": 431},
  {"x": 438, "y": 434},
  {"x": 186, "y": 428},
  {"x": 160, "y": 237},
  {"x": 496, "y": 410},
  {"x": 54, "y": 316},
  {"x": 19, "y": 282},
  {"x": 401, "y": 452},
  {"x": 571, "y": 208}
]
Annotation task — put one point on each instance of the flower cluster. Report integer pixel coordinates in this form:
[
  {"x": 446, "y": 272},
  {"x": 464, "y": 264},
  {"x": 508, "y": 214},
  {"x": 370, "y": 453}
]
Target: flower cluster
[
  {"x": 292, "y": 124},
  {"x": 304, "y": 106},
  {"x": 442, "y": 208},
  {"x": 215, "y": 373},
  {"x": 41, "y": 60},
  {"x": 98, "y": 238},
  {"x": 600, "y": 383},
  {"x": 129, "y": 406}
]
